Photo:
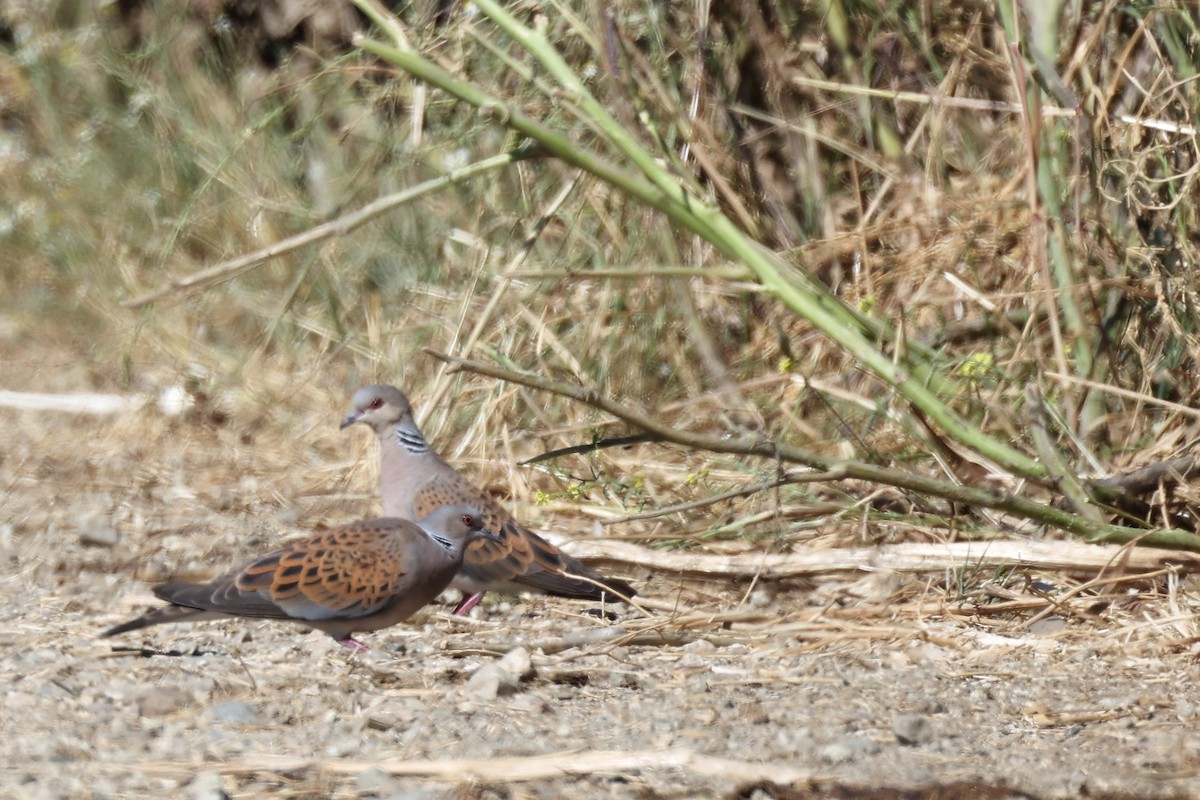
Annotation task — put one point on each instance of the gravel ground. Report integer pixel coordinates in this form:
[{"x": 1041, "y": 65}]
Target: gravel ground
[{"x": 533, "y": 697}]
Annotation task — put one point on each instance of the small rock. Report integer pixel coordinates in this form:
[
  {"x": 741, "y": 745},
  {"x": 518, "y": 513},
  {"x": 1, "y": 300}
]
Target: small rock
[
  {"x": 484, "y": 684},
  {"x": 530, "y": 703},
  {"x": 344, "y": 746},
  {"x": 374, "y": 781},
  {"x": 931, "y": 705},
  {"x": 289, "y": 515},
  {"x": 691, "y": 660},
  {"x": 416, "y": 793},
  {"x": 235, "y": 712},
  {"x": 623, "y": 680},
  {"x": 761, "y": 597},
  {"x": 206, "y": 786},
  {"x": 501, "y": 677},
  {"x": 1117, "y": 702},
  {"x": 94, "y": 532},
  {"x": 1047, "y": 626},
  {"x": 517, "y": 663},
  {"x": 173, "y": 401},
  {"x": 382, "y": 721},
  {"x": 911, "y": 729},
  {"x": 162, "y": 700},
  {"x": 846, "y": 749}
]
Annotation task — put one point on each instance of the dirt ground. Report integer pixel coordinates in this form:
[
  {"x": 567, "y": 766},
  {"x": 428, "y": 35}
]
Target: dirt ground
[{"x": 820, "y": 689}]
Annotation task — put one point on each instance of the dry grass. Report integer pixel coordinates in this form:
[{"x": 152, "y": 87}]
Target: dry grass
[
  {"x": 909, "y": 160},
  {"x": 901, "y": 164}
]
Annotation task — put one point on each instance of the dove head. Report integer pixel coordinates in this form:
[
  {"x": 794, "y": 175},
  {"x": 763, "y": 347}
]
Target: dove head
[
  {"x": 454, "y": 527},
  {"x": 379, "y": 406}
]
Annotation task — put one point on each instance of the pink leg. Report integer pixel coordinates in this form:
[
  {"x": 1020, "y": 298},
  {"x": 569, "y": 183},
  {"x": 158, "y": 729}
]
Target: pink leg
[
  {"x": 469, "y": 602},
  {"x": 353, "y": 644}
]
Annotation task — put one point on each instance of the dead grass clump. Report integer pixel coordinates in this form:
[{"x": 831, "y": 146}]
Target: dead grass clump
[{"x": 1023, "y": 213}]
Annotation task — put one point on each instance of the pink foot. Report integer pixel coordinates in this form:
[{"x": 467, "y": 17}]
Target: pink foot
[
  {"x": 469, "y": 602},
  {"x": 353, "y": 644}
]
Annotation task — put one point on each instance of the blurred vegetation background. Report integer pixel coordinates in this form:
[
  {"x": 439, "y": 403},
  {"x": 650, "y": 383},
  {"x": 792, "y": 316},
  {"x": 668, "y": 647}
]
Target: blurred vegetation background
[{"x": 1010, "y": 185}]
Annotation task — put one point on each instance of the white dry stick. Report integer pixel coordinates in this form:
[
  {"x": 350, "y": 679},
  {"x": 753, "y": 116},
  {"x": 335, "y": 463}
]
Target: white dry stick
[{"x": 99, "y": 404}]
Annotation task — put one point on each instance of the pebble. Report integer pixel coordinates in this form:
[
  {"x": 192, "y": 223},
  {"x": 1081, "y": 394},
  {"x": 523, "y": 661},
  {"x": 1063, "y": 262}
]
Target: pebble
[
  {"x": 235, "y": 712},
  {"x": 761, "y": 597},
  {"x": 484, "y": 683},
  {"x": 94, "y": 532},
  {"x": 931, "y": 705},
  {"x": 375, "y": 781},
  {"x": 911, "y": 729},
  {"x": 846, "y": 749},
  {"x": 382, "y": 721},
  {"x": 206, "y": 786},
  {"x": 173, "y": 401},
  {"x": 1047, "y": 626},
  {"x": 162, "y": 700},
  {"x": 501, "y": 677},
  {"x": 530, "y": 703},
  {"x": 417, "y": 792},
  {"x": 517, "y": 662}
]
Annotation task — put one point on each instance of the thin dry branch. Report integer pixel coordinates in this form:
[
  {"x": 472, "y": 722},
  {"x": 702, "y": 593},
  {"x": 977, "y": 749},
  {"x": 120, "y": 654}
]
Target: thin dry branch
[
  {"x": 228, "y": 270},
  {"x": 1141, "y": 397},
  {"x": 77, "y": 403},
  {"x": 1172, "y": 472},
  {"x": 509, "y": 770},
  {"x": 763, "y": 447},
  {"x": 598, "y": 444},
  {"x": 588, "y": 639},
  {"x": 1072, "y": 557},
  {"x": 692, "y": 505}
]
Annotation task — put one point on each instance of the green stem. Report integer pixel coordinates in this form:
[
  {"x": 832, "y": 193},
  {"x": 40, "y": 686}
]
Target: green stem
[
  {"x": 841, "y": 468},
  {"x": 664, "y": 192}
]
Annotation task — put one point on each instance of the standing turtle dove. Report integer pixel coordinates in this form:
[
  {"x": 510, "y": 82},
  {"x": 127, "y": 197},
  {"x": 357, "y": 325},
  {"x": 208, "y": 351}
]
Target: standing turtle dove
[
  {"x": 414, "y": 480},
  {"x": 359, "y": 577}
]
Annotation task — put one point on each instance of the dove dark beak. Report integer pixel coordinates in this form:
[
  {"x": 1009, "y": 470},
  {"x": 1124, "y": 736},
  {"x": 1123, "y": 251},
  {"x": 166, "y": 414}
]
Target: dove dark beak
[{"x": 348, "y": 421}]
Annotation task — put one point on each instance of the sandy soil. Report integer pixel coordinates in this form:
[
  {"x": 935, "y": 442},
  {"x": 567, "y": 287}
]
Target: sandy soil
[{"x": 800, "y": 691}]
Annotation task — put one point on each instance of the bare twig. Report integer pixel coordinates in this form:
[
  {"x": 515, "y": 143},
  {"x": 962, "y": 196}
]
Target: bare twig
[
  {"x": 729, "y": 273},
  {"x": 588, "y": 638},
  {"x": 599, "y": 444},
  {"x": 914, "y": 557},
  {"x": 691, "y": 505},
  {"x": 1141, "y": 397},
  {"x": 84, "y": 403},
  {"x": 1172, "y": 472},
  {"x": 768, "y": 448},
  {"x": 228, "y": 270},
  {"x": 508, "y": 770}
]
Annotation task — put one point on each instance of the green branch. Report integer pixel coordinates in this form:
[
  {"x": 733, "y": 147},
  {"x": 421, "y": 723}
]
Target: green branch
[
  {"x": 766, "y": 448},
  {"x": 660, "y": 189}
]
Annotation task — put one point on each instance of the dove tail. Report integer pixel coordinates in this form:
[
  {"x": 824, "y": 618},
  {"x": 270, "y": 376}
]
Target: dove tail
[{"x": 161, "y": 616}]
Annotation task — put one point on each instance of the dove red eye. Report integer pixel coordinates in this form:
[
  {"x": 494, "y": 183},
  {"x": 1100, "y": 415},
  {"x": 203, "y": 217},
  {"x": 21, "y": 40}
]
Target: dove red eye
[
  {"x": 376, "y": 403},
  {"x": 468, "y": 520}
]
